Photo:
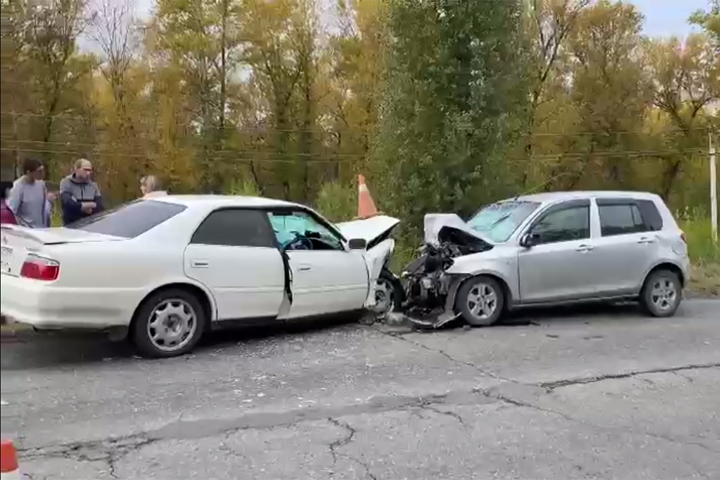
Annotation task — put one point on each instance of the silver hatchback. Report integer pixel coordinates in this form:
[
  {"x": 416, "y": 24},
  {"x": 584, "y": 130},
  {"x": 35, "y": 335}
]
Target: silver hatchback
[{"x": 564, "y": 247}]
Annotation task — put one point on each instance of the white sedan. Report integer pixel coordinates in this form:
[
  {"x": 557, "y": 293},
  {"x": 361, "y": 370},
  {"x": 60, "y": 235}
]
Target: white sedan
[{"x": 168, "y": 268}]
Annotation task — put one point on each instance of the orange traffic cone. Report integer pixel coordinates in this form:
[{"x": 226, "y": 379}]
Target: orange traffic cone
[
  {"x": 366, "y": 205},
  {"x": 8, "y": 462}
]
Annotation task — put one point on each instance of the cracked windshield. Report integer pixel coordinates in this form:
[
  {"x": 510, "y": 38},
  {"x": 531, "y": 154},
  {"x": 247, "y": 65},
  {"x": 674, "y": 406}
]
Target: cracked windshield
[{"x": 360, "y": 240}]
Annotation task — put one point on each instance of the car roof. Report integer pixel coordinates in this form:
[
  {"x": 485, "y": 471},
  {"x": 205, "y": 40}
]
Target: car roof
[
  {"x": 548, "y": 197},
  {"x": 224, "y": 201}
]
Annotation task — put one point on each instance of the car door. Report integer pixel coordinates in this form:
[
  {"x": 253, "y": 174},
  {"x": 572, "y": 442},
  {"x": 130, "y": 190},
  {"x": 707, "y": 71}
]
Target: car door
[
  {"x": 559, "y": 264},
  {"x": 627, "y": 245},
  {"x": 233, "y": 252},
  {"x": 326, "y": 277}
]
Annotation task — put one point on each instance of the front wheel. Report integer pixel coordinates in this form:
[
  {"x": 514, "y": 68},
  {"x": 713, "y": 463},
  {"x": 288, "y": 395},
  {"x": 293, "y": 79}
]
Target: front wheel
[
  {"x": 168, "y": 324},
  {"x": 661, "y": 294},
  {"x": 480, "y": 301},
  {"x": 389, "y": 294}
]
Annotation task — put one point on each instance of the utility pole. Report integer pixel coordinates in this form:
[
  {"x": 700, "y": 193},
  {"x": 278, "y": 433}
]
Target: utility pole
[{"x": 713, "y": 187}]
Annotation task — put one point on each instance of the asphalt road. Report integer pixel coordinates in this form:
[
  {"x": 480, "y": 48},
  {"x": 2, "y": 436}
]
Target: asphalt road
[{"x": 588, "y": 394}]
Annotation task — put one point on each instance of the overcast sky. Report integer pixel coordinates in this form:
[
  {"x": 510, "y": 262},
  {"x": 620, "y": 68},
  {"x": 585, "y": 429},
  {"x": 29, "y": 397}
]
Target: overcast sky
[{"x": 662, "y": 17}]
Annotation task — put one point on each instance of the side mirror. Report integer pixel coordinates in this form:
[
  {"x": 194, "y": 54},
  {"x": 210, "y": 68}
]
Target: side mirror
[
  {"x": 357, "y": 244},
  {"x": 528, "y": 240}
]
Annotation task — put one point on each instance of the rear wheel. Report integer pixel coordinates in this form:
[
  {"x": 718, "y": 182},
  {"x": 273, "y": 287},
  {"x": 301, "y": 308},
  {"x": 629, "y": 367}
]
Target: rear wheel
[
  {"x": 480, "y": 301},
  {"x": 661, "y": 294},
  {"x": 168, "y": 324}
]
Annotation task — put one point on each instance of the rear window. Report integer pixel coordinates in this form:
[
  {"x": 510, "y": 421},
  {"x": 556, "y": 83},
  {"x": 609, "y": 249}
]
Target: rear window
[{"x": 130, "y": 219}]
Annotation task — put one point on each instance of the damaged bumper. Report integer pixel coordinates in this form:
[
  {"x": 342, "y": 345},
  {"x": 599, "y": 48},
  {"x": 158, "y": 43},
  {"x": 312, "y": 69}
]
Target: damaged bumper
[{"x": 437, "y": 318}]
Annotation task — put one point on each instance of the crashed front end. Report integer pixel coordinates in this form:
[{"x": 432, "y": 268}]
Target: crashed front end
[{"x": 429, "y": 290}]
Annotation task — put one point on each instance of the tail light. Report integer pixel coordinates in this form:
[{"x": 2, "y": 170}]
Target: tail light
[{"x": 40, "y": 268}]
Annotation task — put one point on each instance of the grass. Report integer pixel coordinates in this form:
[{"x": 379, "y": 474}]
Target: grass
[{"x": 704, "y": 253}]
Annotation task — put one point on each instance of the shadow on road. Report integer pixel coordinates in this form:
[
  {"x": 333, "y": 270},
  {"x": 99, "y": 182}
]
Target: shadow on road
[{"x": 41, "y": 350}]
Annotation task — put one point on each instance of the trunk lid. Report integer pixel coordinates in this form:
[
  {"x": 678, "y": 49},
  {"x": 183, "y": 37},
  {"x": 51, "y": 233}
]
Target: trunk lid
[{"x": 17, "y": 242}]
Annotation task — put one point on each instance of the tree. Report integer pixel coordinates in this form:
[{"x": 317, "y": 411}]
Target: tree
[
  {"x": 710, "y": 22},
  {"x": 549, "y": 23},
  {"x": 200, "y": 39},
  {"x": 51, "y": 30},
  {"x": 452, "y": 105},
  {"x": 282, "y": 55},
  {"x": 610, "y": 93},
  {"x": 357, "y": 77}
]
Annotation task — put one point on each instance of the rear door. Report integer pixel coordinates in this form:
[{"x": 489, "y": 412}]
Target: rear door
[
  {"x": 627, "y": 245},
  {"x": 233, "y": 252}
]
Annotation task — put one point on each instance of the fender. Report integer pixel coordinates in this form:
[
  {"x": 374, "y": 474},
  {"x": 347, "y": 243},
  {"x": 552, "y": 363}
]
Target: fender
[{"x": 376, "y": 258}]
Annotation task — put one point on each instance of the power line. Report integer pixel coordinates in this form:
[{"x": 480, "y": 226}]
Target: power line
[
  {"x": 270, "y": 130},
  {"x": 243, "y": 155}
]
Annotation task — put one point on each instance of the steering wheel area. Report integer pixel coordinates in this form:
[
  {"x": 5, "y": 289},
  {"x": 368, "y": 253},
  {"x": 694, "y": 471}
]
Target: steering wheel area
[{"x": 299, "y": 242}]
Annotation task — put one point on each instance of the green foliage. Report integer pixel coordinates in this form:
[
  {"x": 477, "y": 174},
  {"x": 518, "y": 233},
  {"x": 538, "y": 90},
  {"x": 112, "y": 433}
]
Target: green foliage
[
  {"x": 246, "y": 188},
  {"x": 450, "y": 110},
  {"x": 337, "y": 201},
  {"x": 710, "y": 21},
  {"x": 698, "y": 231}
]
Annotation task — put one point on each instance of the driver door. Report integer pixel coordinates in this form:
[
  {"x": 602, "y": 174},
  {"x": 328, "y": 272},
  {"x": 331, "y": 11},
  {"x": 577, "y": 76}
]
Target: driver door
[
  {"x": 326, "y": 277},
  {"x": 561, "y": 264}
]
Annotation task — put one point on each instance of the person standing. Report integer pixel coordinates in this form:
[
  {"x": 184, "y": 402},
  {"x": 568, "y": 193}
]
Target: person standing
[
  {"x": 150, "y": 187},
  {"x": 80, "y": 196},
  {"x": 29, "y": 200}
]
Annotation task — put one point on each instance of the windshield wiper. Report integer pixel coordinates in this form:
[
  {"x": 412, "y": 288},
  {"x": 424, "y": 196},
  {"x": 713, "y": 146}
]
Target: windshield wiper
[{"x": 499, "y": 220}]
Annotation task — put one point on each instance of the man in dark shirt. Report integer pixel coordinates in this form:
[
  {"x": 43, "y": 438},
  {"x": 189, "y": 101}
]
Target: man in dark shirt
[{"x": 79, "y": 194}]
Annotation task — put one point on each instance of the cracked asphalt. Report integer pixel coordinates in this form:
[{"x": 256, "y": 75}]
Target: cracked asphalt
[{"x": 596, "y": 393}]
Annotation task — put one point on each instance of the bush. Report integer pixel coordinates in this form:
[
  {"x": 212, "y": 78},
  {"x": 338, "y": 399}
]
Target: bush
[
  {"x": 246, "y": 188},
  {"x": 337, "y": 201},
  {"x": 698, "y": 230}
]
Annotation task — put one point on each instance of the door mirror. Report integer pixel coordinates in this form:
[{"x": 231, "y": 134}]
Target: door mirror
[
  {"x": 529, "y": 239},
  {"x": 357, "y": 244}
]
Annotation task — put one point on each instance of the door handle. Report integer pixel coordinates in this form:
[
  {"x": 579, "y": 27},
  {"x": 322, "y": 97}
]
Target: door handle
[
  {"x": 584, "y": 248},
  {"x": 199, "y": 263},
  {"x": 646, "y": 240},
  {"x": 304, "y": 268}
]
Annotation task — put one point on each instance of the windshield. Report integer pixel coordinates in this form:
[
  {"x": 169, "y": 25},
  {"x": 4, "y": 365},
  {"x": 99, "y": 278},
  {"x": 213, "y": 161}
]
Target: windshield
[
  {"x": 499, "y": 220},
  {"x": 130, "y": 219}
]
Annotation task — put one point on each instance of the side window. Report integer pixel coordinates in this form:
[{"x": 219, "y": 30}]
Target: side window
[
  {"x": 298, "y": 230},
  {"x": 621, "y": 219},
  {"x": 572, "y": 223},
  {"x": 234, "y": 228},
  {"x": 651, "y": 215}
]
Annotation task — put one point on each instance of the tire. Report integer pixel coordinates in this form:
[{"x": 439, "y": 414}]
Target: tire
[
  {"x": 661, "y": 294},
  {"x": 393, "y": 288},
  {"x": 467, "y": 297},
  {"x": 187, "y": 316}
]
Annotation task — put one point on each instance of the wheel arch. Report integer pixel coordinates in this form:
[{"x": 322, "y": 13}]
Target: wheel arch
[
  {"x": 506, "y": 291},
  {"x": 203, "y": 297},
  {"x": 666, "y": 266}
]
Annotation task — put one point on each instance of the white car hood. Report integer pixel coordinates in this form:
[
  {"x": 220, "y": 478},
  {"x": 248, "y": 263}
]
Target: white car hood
[
  {"x": 434, "y": 222},
  {"x": 368, "y": 229}
]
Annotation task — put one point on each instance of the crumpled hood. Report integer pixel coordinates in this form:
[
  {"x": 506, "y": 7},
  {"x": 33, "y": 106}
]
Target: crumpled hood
[
  {"x": 435, "y": 222},
  {"x": 368, "y": 229}
]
